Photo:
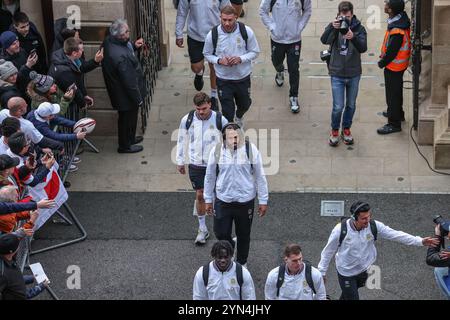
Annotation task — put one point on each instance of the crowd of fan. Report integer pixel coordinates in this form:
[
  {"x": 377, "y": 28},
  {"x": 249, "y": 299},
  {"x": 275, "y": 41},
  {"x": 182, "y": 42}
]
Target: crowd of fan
[{"x": 39, "y": 93}]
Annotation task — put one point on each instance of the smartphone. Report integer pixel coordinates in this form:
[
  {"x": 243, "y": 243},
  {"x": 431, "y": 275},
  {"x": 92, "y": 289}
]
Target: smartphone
[
  {"x": 32, "y": 159},
  {"x": 33, "y": 52},
  {"x": 73, "y": 87}
]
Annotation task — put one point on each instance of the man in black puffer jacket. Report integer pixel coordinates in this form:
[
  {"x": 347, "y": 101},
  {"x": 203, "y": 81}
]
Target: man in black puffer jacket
[
  {"x": 30, "y": 39},
  {"x": 124, "y": 80},
  {"x": 68, "y": 67}
]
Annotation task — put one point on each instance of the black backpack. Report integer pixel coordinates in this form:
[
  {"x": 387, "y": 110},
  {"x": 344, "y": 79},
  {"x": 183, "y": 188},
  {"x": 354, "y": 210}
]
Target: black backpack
[
  {"x": 239, "y": 276},
  {"x": 215, "y": 36},
  {"x": 272, "y": 3},
  {"x": 190, "y": 119},
  {"x": 308, "y": 276},
  {"x": 373, "y": 228}
]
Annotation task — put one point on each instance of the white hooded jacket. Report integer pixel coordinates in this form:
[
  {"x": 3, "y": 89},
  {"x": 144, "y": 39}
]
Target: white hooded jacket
[{"x": 288, "y": 19}]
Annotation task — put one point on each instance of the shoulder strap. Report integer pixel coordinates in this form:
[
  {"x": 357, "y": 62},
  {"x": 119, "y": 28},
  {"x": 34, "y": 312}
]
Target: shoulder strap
[
  {"x": 280, "y": 279},
  {"x": 272, "y": 3},
  {"x": 206, "y": 274},
  {"x": 240, "y": 278},
  {"x": 343, "y": 230},
  {"x": 215, "y": 38},
  {"x": 373, "y": 228},
  {"x": 190, "y": 119},
  {"x": 244, "y": 33},
  {"x": 219, "y": 124},
  {"x": 248, "y": 150},
  {"x": 308, "y": 276},
  {"x": 303, "y": 6}
]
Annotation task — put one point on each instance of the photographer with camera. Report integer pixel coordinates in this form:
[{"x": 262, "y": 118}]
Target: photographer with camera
[
  {"x": 436, "y": 257},
  {"x": 347, "y": 38}
]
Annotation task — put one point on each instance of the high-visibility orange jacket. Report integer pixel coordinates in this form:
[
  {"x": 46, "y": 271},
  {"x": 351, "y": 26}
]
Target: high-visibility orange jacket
[{"x": 401, "y": 61}]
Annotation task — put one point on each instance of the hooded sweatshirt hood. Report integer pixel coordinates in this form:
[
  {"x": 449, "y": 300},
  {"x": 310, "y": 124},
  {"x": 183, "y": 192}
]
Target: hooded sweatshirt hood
[{"x": 400, "y": 21}]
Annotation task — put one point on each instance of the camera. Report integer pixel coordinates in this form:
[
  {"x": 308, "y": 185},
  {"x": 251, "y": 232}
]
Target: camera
[
  {"x": 344, "y": 25},
  {"x": 325, "y": 55},
  {"x": 443, "y": 224}
]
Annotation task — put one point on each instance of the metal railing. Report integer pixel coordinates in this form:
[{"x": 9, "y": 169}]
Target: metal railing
[{"x": 144, "y": 21}]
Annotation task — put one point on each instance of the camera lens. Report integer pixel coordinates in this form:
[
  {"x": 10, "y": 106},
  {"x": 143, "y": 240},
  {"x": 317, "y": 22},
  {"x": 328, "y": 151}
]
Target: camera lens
[{"x": 438, "y": 220}]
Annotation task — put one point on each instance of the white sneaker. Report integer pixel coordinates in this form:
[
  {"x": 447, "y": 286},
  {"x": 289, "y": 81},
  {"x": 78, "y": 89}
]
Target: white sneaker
[
  {"x": 76, "y": 160},
  {"x": 73, "y": 168},
  {"x": 279, "y": 79},
  {"x": 202, "y": 236},
  {"x": 293, "y": 102},
  {"x": 239, "y": 122}
]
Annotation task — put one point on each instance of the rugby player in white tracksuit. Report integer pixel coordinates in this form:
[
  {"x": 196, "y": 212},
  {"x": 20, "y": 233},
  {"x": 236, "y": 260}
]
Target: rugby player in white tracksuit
[
  {"x": 241, "y": 177},
  {"x": 201, "y": 136},
  {"x": 222, "y": 283},
  {"x": 357, "y": 252}
]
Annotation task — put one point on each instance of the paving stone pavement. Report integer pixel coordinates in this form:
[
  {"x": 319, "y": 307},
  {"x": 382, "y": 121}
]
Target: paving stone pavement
[{"x": 306, "y": 162}]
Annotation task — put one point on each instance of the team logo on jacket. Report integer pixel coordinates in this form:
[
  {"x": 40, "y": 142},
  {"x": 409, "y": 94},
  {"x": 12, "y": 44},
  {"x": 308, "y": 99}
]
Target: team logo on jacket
[
  {"x": 369, "y": 237},
  {"x": 233, "y": 281},
  {"x": 305, "y": 284}
]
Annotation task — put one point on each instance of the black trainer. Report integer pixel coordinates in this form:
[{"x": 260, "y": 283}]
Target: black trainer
[
  {"x": 385, "y": 114},
  {"x": 198, "y": 82},
  {"x": 388, "y": 129},
  {"x": 132, "y": 149}
]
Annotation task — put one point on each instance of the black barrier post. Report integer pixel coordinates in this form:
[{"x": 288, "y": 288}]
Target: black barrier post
[
  {"x": 416, "y": 57},
  {"x": 68, "y": 243}
]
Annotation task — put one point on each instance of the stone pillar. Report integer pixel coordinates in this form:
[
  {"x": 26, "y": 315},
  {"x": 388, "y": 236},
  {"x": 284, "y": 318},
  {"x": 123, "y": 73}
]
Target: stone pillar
[{"x": 441, "y": 52}]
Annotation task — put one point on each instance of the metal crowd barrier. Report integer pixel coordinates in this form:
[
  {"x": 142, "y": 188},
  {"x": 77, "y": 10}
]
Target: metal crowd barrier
[{"x": 65, "y": 161}]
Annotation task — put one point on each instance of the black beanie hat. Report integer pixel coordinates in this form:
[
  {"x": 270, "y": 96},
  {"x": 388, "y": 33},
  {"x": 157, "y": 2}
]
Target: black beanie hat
[
  {"x": 397, "y": 6},
  {"x": 9, "y": 243}
]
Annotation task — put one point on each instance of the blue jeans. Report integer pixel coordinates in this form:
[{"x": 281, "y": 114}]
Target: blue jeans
[{"x": 345, "y": 91}]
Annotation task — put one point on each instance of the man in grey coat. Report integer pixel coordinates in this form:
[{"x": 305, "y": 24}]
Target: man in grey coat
[{"x": 124, "y": 80}]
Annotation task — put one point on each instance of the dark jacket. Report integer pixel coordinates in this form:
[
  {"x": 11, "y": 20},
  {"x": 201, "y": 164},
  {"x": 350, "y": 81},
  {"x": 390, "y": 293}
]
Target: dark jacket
[
  {"x": 12, "y": 207},
  {"x": 12, "y": 284},
  {"x": 395, "y": 41},
  {"x": 8, "y": 91},
  {"x": 434, "y": 260},
  {"x": 18, "y": 59},
  {"x": 65, "y": 73},
  {"x": 5, "y": 20},
  {"x": 33, "y": 40},
  {"x": 349, "y": 65},
  {"x": 58, "y": 26},
  {"x": 45, "y": 127},
  {"x": 123, "y": 75}
]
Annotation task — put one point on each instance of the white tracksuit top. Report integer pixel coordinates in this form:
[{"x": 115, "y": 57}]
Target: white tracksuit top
[
  {"x": 232, "y": 45},
  {"x": 201, "y": 138},
  {"x": 235, "y": 182},
  {"x": 202, "y": 16},
  {"x": 223, "y": 286},
  {"x": 295, "y": 287},
  {"x": 357, "y": 252},
  {"x": 287, "y": 20}
]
